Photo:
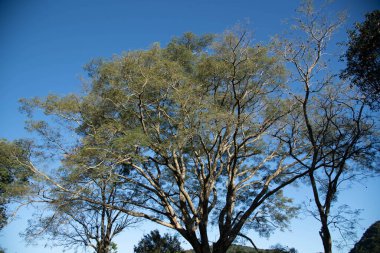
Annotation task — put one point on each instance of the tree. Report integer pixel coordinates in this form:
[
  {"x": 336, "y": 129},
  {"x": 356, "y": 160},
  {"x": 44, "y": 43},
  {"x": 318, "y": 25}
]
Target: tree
[
  {"x": 278, "y": 248},
  {"x": 193, "y": 125},
  {"x": 332, "y": 135},
  {"x": 13, "y": 177},
  {"x": 370, "y": 241},
  {"x": 363, "y": 57},
  {"x": 71, "y": 222},
  {"x": 155, "y": 243}
]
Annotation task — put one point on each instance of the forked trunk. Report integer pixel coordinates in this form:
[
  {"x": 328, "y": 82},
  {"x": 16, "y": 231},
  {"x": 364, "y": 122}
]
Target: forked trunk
[
  {"x": 205, "y": 248},
  {"x": 103, "y": 247}
]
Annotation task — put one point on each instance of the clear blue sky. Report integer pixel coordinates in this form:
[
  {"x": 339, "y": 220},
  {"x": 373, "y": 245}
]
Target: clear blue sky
[{"x": 44, "y": 45}]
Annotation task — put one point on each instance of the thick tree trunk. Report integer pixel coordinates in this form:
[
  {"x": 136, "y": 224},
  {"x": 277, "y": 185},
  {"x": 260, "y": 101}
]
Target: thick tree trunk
[
  {"x": 201, "y": 249},
  {"x": 221, "y": 246},
  {"x": 103, "y": 247},
  {"x": 220, "y": 250},
  {"x": 205, "y": 247},
  {"x": 197, "y": 246}
]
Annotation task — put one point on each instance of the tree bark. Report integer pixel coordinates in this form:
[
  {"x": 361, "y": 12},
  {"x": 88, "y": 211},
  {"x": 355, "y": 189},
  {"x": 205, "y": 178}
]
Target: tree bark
[
  {"x": 326, "y": 238},
  {"x": 222, "y": 245},
  {"x": 103, "y": 247}
]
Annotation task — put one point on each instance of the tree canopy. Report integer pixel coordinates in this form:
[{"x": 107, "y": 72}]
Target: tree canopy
[
  {"x": 202, "y": 134},
  {"x": 156, "y": 243},
  {"x": 13, "y": 175},
  {"x": 191, "y": 125},
  {"x": 363, "y": 57},
  {"x": 370, "y": 241}
]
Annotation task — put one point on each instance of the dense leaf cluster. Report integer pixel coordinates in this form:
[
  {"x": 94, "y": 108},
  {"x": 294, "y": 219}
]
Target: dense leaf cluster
[
  {"x": 154, "y": 242},
  {"x": 13, "y": 174},
  {"x": 370, "y": 241},
  {"x": 363, "y": 57}
]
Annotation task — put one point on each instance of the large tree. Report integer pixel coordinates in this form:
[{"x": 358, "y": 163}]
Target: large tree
[
  {"x": 192, "y": 124},
  {"x": 363, "y": 57},
  {"x": 207, "y": 133},
  {"x": 331, "y": 127}
]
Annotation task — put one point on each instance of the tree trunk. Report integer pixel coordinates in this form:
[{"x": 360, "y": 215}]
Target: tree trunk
[
  {"x": 221, "y": 246},
  {"x": 326, "y": 238},
  {"x": 197, "y": 246},
  {"x": 205, "y": 248},
  {"x": 202, "y": 249},
  {"x": 103, "y": 247},
  {"x": 220, "y": 250}
]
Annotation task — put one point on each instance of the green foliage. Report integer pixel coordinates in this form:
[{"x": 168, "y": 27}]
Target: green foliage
[
  {"x": 193, "y": 134},
  {"x": 246, "y": 249},
  {"x": 184, "y": 49},
  {"x": 203, "y": 131},
  {"x": 86, "y": 222},
  {"x": 14, "y": 173},
  {"x": 113, "y": 248},
  {"x": 278, "y": 248},
  {"x": 155, "y": 243},
  {"x": 274, "y": 214},
  {"x": 363, "y": 57},
  {"x": 370, "y": 241}
]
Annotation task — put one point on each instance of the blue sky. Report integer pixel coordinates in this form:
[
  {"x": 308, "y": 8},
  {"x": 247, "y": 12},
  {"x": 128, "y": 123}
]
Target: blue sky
[{"x": 45, "y": 44}]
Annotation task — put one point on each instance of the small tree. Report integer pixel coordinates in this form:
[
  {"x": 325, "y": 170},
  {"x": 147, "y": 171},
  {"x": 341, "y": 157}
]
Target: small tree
[
  {"x": 155, "y": 243},
  {"x": 72, "y": 222}
]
